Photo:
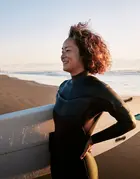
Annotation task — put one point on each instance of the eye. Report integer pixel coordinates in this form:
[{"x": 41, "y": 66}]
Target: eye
[{"x": 68, "y": 50}]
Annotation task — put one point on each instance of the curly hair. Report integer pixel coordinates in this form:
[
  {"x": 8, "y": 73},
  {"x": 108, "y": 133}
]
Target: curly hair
[{"x": 96, "y": 56}]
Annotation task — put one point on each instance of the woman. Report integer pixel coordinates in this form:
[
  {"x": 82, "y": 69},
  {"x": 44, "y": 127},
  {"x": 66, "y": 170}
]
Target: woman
[{"x": 79, "y": 103}]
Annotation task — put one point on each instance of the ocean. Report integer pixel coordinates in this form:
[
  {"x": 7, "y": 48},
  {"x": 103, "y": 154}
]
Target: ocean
[{"x": 123, "y": 81}]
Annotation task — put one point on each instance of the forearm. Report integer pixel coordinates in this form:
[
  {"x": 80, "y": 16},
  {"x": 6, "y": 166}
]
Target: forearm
[{"x": 113, "y": 131}]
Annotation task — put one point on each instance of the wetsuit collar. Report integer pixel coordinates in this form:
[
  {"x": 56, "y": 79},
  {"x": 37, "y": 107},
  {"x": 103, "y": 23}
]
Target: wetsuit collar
[{"x": 79, "y": 75}]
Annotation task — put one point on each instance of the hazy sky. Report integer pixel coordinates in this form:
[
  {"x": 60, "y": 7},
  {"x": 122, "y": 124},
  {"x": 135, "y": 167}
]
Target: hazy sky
[{"x": 34, "y": 30}]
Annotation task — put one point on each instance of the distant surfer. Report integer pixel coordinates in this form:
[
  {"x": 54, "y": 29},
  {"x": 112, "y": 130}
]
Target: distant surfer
[{"x": 80, "y": 101}]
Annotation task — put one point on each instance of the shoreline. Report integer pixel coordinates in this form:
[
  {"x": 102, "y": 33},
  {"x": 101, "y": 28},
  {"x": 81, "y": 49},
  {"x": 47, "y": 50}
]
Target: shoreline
[{"x": 26, "y": 94}]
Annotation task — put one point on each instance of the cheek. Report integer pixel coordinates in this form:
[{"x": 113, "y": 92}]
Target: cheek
[
  {"x": 76, "y": 61},
  {"x": 73, "y": 61},
  {"x": 74, "y": 58}
]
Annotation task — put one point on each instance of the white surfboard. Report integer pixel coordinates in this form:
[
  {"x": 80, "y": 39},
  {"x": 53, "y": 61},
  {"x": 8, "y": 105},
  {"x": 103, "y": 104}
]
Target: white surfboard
[
  {"x": 24, "y": 137},
  {"x": 24, "y": 142}
]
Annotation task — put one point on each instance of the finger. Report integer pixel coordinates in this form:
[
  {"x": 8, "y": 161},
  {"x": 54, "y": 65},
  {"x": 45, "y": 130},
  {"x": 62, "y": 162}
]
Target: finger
[
  {"x": 90, "y": 150},
  {"x": 87, "y": 148},
  {"x": 83, "y": 155}
]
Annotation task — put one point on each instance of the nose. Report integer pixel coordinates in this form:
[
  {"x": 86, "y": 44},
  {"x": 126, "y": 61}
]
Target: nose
[{"x": 63, "y": 52}]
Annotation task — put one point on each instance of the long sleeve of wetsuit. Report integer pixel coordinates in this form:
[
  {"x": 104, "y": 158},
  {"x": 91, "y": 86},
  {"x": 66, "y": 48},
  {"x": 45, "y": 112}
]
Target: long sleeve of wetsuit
[{"x": 125, "y": 120}]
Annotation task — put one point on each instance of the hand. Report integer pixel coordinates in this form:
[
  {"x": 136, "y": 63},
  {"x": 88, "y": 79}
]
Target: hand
[{"x": 87, "y": 148}]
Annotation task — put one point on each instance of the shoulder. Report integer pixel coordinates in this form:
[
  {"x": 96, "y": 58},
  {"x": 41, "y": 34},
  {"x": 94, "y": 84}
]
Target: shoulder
[
  {"x": 103, "y": 90},
  {"x": 95, "y": 83},
  {"x": 62, "y": 85}
]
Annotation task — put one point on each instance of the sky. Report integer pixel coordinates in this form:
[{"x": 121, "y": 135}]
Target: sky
[{"x": 33, "y": 31}]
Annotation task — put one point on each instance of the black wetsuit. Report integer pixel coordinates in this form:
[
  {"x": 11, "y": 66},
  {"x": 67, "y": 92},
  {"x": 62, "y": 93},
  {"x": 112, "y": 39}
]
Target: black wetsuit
[{"x": 78, "y": 100}]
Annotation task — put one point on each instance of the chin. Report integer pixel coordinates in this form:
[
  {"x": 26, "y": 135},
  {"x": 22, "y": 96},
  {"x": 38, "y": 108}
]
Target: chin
[{"x": 66, "y": 69}]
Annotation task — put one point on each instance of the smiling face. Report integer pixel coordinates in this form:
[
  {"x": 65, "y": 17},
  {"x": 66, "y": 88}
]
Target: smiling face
[{"x": 72, "y": 62}]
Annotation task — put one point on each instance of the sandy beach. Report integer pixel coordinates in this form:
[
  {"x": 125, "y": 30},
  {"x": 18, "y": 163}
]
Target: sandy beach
[{"x": 18, "y": 94}]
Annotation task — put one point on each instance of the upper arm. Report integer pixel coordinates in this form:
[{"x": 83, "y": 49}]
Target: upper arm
[{"x": 113, "y": 104}]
